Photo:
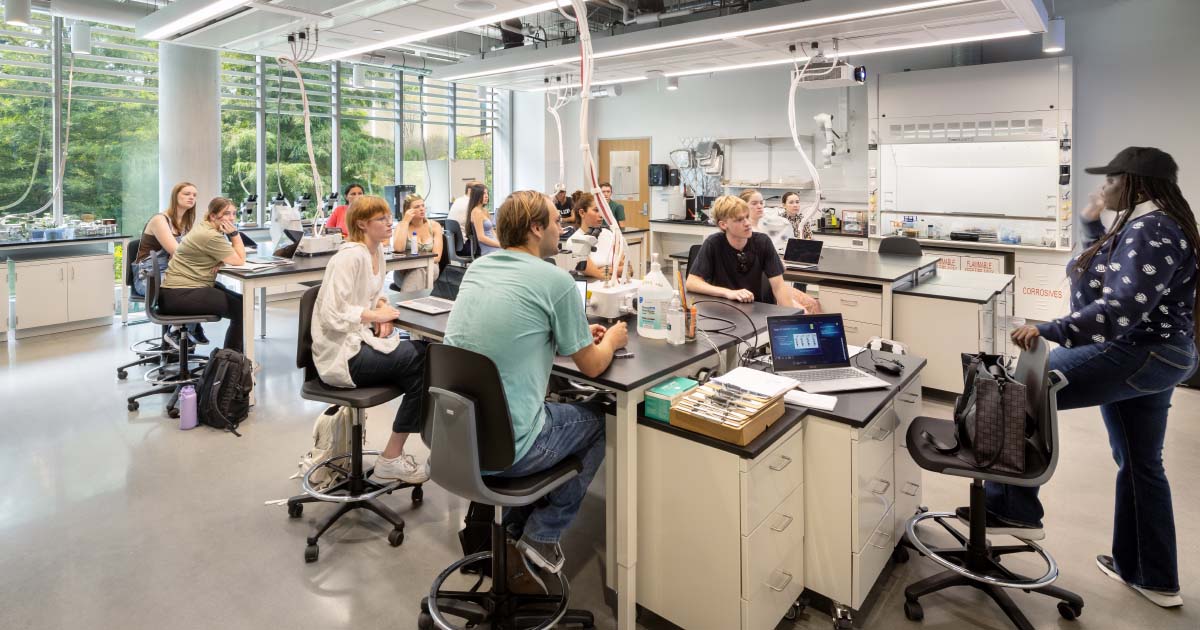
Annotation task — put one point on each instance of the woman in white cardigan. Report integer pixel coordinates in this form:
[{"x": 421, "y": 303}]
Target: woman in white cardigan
[{"x": 353, "y": 344}]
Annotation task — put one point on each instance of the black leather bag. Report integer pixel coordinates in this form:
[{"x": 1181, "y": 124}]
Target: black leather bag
[
  {"x": 990, "y": 416},
  {"x": 448, "y": 281}
]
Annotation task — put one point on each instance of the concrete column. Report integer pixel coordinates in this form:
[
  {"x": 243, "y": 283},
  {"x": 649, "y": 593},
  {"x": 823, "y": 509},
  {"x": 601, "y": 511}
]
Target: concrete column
[{"x": 189, "y": 121}]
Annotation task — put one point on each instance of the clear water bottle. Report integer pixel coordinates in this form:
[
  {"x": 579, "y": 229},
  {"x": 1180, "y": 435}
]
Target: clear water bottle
[
  {"x": 187, "y": 408},
  {"x": 413, "y": 246},
  {"x": 675, "y": 322}
]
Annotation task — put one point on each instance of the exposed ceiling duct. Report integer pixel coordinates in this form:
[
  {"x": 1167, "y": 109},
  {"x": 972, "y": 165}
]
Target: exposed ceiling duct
[{"x": 103, "y": 11}]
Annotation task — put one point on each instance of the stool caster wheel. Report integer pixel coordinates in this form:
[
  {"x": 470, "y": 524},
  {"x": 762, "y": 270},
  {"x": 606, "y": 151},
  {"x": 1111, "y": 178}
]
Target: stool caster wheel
[
  {"x": 424, "y": 622},
  {"x": 122, "y": 374},
  {"x": 418, "y": 495},
  {"x": 295, "y": 510},
  {"x": 396, "y": 537},
  {"x": 793, "y": 612},
  {"x": 913, "y": 611},
  {"x": 173, "y": 412},
  {"x": 132, "y": 406},
  {"x": 1068, "y": 611},
  {"x": 310, "y": 553},
  {"x": 843, "y": 623},
  {"x": 900, "y": 555}
]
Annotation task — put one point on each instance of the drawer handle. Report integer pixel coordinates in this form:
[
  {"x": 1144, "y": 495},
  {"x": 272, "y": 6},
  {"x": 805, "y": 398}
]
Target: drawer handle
[
  {"x": 784, "y": 462},
  {"x": 849, "y": 328},
  {"x": 886, "y": 537},
  {"x": 906, "y": 398},
  {"x": 787, "y": 580},
  {"x": 883, "y": 435},
  {"x": 915, "y": 487},
  {"x": 886, "y": 484},
  {"x": 849, "y": 302},
  {"x": 785, "y": 525}
]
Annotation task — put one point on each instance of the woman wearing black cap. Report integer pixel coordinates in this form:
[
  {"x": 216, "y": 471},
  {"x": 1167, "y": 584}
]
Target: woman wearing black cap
[{"x": 1130, "y": 339}]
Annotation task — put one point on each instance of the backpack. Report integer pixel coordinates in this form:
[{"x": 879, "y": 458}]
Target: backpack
[
  {"x": 331, "y": 437},
  {"x": 224, "y": 390},
  {"x": 476, "y": 536}
]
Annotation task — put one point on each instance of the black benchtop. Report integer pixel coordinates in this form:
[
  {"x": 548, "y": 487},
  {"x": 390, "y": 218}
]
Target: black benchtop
[
  {"x": 683, "y": 222},
  {"x": 962, "y": 286},
  {"x": 66, "y": 241},
  {"x": 856, "y": 264}
]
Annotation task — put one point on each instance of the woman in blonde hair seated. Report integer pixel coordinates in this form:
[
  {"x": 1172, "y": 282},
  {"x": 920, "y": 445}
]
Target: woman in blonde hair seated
[
  {"x": 352, "y": 333},
  {"x": 429, "y": 241}
]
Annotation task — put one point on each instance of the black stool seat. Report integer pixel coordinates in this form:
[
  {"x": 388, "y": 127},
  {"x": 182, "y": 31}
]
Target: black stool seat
[
  {"x": 181, "y": 320},
  {"x": 355, "y": 398},
  {"x": 927, "y": 456},
  {"x": 533, "y": 484}
]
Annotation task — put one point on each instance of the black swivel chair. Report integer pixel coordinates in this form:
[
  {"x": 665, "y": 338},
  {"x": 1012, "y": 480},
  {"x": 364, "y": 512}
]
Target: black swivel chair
[
  {"x": 468, "y": 430},
  {"x": 975, "y": 561},
  {"x": 149, "y": 351},
  {"x": 169, "y": 381},
  {"x": 356, "y": 491},
  {"x": 900, "y": 246},
  {"x": 462, "y": 247}
]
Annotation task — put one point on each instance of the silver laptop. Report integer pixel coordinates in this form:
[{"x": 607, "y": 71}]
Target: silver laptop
[
  {"x": 802, "y": 253},
  {"x": 812, "y": 350},
  {"x": 428, "y": 305}
]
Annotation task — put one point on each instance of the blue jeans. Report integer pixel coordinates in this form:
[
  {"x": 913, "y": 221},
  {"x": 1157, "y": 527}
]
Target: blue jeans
[
  {"x": 570, "y": 429},
  {"x": 404, "y": 367},
  {"x": 1132, "y": 384}
]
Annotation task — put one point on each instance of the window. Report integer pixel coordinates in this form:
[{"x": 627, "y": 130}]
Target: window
[
  {"x": 368, "y": 128},
  {"x": 427, "y": 124},
  {"x": 474, "y": 117},
  {"x": 26, "y": 117},
  {"x": 239, "y": 130},
  {"x": 288, "y": 168},
  {"x": 112, "y": 151}
]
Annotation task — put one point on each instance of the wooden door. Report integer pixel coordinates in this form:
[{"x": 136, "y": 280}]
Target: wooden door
[{"x": 633, "y": 181}]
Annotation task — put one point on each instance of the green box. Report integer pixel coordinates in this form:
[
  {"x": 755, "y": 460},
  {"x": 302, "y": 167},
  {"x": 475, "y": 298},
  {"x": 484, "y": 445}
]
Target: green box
[{"x": 660, "y": 397}]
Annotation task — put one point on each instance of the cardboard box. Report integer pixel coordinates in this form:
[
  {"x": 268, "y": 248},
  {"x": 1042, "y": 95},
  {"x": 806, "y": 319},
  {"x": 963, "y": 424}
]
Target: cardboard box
[
  {"x": 662, "y": 396},
  {"x": 740, "y": 435}
]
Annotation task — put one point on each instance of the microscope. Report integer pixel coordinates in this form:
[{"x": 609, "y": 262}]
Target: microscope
[{"x": 249, "y": 212}]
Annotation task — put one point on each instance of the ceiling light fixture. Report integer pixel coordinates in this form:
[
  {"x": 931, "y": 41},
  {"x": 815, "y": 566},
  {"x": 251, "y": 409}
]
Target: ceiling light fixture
[
  {"x": 689, "y": 41},
  {"x": 191, "y": 19},
  {"x": 17, "y": 12},
  {"x": 474, "y": 6},
  {"x": 672, "y": 84},
  {"x": 446, "y": 30},
  {"x": 81, "y": 38},
  {"x": 1054, "y": 40},
  {"x": 594, "y": 84}
]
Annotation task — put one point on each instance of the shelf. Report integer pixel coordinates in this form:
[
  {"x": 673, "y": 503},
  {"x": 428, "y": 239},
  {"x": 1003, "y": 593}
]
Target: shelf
[
  {"x": 770, "y": 185},
  {"x": 970, "y": 215}
]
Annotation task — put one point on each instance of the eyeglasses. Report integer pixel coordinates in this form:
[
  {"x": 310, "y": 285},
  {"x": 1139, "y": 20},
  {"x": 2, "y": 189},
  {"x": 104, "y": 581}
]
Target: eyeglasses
[{"x": 744, "y": 262}]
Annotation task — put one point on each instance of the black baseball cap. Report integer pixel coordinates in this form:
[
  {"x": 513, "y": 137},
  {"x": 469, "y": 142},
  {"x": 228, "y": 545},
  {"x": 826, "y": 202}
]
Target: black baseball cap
[{"x": 1143, "y": 161}]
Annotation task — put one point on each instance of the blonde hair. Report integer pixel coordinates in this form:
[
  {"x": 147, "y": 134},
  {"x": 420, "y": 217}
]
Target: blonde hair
[
  {"x": 409, "y": 200},
  {"x": 748, "y": 194},
  {"x": 365, "y": 208},
  {"x": 519, "y": 213},
  {"x": 729, "y": 208}
]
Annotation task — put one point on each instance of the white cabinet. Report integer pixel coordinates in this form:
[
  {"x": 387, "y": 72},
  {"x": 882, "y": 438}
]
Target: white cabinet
[
  {"x": 908, "y": 474},
  {"x": 4, "y": 311},
  {"x": 982, "y": 263},
  {"x": 1041, "y": 291},
  {"x": 862, "y": 312},
  {"x": 59, "y": 291},
  {"x": 836, "y": 241}
]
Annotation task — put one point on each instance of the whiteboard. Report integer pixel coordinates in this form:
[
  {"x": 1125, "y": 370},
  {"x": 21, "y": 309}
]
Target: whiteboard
[{"x": 1004, "y": 179}]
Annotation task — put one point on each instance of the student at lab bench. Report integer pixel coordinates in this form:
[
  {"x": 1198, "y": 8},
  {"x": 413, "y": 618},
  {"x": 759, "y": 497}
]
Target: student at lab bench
[
  {"x": 757, "y": 205},
  {"x": 429, "y": 241},
  {"x": 562, "y": 203},
  {"x": 160, "y": 238},
  {"x": 591, "y": 223},
  {"x": 352, "y": 332},
  {"x": 618, "y": 210},
  {"x": 520, "y": 312},
  {"x": 337, "y": 218},
  {"x": 1129, "y": 340},
  {"x": 190, "y": 286},
  {"x": 482, "y": 229},
  {"x": 738, "y": 263},
  {"x": 792, "y": 212}
]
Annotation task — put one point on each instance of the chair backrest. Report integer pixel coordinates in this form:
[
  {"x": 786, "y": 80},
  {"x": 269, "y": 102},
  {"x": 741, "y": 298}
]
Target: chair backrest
[
  {"x": 152, "y": 279},
  {"x": 465, "y": 411},
  {"x": 900, "y": 245},
  {"x": 460, "y": 241},
  {"x": 692, "y": 252},
  {"x": 447, "y": 251},
  {"x": 130, "y": 254},
  {"x": 304, "y": 359},
  {"x": 1041, "y": 394}
]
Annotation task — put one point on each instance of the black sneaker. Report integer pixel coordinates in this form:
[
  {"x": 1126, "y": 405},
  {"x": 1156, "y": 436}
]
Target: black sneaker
[
  {"x": 522, "y": 578},
  {"x": 1166, "y": 600},
  {"x": 548, "y": 556},
  {"x": 998, "y": 527},
  {"x": 172, "y": 338},
  {"x": 196, "y": 334}
]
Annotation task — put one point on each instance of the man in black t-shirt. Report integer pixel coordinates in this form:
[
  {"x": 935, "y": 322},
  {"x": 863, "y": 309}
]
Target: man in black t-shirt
[
  {"x": 562, "y": 203},
  {"x": 738, "y": 263}
]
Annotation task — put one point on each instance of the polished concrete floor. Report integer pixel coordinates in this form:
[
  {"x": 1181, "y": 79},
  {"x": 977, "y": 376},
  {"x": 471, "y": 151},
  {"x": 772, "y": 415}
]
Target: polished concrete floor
[{"x": 116, "y": 520}]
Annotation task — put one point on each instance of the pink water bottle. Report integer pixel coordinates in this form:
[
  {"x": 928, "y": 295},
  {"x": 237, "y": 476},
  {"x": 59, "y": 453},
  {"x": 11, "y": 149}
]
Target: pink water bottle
[{"x": 187, "y": 408}]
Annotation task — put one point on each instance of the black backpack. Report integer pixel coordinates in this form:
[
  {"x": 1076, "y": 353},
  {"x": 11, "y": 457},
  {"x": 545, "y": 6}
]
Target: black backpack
[{"x": 224, "y": 391}]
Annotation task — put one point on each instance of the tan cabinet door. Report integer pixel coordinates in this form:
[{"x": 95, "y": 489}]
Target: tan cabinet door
[
  {"x": 634, "y": 181},
  {"x": 42, "y": 295},
  {"x": 90, "y": 288}
]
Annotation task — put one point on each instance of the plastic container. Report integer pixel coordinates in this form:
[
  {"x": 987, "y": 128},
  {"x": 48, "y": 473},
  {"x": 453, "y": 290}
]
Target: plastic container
[
  {"x": 654, "y": 298},
  {"x": 187, "y": 408},
  {"x": 676, "y": 322},
  {"x": 413, "y": 246}
]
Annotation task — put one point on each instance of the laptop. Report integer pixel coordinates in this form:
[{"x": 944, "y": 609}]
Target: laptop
[
  {"x": 802, "y": 253},
  {"x": 812, "y": 350},
  {"x": 428, "y": 305},
  {"x": 259, "y": 257}
]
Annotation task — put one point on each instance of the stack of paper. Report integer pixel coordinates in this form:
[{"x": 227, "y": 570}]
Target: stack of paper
[{"x": 758, "y": 382}]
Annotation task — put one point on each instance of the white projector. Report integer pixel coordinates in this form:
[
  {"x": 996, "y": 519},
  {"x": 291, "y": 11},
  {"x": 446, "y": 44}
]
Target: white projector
[{"x": 821, "y": 75}]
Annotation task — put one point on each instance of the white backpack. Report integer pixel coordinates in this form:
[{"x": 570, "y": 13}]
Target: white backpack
[{"x": 331, "y": 437}]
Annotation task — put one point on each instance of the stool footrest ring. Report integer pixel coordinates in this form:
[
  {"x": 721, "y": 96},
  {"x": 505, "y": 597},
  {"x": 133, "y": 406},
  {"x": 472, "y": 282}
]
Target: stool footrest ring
[
  {"x": 306, "y": 483},
  {"x": 1029, "y": 584},
  {"x": 439, "y": 620}
]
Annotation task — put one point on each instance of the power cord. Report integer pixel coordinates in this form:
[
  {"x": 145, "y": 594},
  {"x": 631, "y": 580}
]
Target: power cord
[{"x": 742, "y": 357}]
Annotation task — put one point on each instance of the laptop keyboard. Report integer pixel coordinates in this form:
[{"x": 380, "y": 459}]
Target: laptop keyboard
[{"x": 831, "y": 374}]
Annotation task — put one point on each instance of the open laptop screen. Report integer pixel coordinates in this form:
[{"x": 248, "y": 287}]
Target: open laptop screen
[
  {"x": 805, "y": 342},
  {"x": 801, "y": 250}
]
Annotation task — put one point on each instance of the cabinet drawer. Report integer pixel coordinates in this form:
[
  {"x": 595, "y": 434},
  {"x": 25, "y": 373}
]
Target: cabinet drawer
[
  {"x": 774, "y": 553},
  {"x": 869, "y": 562},
  {"x": 908, "y": 489},
  {"x": 872, "y": 444},
  {"x": 907, "y": 406},
  {"x": 874, "y": 494},
  {"x": 858, "y": 333},
  {"x": 860, "y": 307},
  {"x": 771, "y": 478},
  {"x": 843, "y": 242}
]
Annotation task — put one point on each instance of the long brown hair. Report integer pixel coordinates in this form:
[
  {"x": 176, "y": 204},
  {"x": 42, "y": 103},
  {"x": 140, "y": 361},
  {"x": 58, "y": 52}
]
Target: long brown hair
[
  {"x": 184, "y": 223},
  {"x": 216, "y": 206},
  {"x": 582, "y": 201},
  {"x": 1169, "y": 198}
]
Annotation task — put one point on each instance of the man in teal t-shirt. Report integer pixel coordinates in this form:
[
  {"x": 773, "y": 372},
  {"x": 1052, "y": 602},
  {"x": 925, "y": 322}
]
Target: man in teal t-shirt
[
  {"x": 520, "y": 311},
  {"x": 618, "y": 210}
]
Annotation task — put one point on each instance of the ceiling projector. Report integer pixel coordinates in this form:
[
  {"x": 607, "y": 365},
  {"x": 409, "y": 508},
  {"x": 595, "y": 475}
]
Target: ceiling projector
[{"x": 820, "y": 75}]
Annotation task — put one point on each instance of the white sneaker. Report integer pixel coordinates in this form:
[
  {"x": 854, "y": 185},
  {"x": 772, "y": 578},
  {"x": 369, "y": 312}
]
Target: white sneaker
[
  {"x": 403, "y": 468},
  {"x": 1165, "y": 600}
]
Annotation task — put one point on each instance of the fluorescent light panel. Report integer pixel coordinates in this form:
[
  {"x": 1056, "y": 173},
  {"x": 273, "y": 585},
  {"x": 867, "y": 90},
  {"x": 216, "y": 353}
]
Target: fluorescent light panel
[
  {"x": 690, "y": 41},
  {"x": 445, "y": 30},
  {"x": 196, "y": 17}
]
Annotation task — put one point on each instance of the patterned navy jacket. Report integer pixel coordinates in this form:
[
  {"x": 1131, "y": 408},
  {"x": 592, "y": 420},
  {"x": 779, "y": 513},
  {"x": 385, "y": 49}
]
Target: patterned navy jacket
[{"x": 1140, "y": 287}]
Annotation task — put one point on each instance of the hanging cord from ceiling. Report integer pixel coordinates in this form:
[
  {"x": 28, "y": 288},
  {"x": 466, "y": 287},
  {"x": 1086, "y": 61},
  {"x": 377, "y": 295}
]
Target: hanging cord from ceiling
[
  {"x": 809, "y": 214},
  {"x": 62, "y": 169},
  {"x": 302, "y": 51}
]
